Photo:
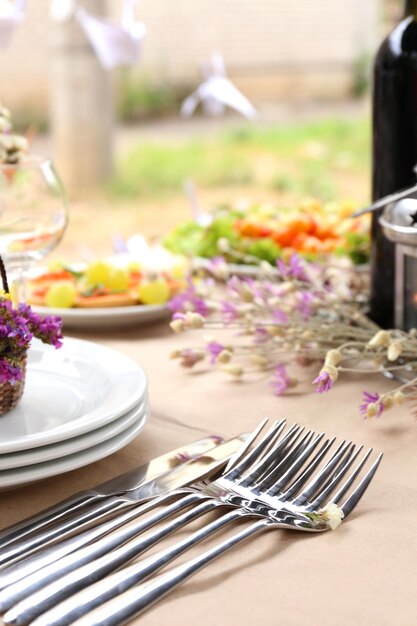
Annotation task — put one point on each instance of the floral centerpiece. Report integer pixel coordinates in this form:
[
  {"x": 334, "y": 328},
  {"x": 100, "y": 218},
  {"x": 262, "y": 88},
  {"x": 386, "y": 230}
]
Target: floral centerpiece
[
  {"x": 298, "y": 313},
  {"x": 18, "y": 326}
]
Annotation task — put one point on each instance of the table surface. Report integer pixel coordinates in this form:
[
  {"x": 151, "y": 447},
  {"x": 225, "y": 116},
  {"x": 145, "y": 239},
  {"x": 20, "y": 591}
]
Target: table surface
[{"x": 363, "y": 573}]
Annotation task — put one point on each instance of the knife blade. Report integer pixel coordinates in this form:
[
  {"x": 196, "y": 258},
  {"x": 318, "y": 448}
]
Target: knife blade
[
  {"x": 16, "y": 554},
  {"x": 116, "y": 486}
]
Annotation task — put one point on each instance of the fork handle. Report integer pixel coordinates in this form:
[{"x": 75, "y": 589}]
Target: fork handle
[
  {"x": 20, "y": 589},
  {"x": 97, "y": 509},
  {"x": 40, "y": 559},
  {"x": 36, "y": 604},
  {"x": 74, "y": 607},
  {"x": 135, "y": 601},
  {"x": 17, "y": 532}
]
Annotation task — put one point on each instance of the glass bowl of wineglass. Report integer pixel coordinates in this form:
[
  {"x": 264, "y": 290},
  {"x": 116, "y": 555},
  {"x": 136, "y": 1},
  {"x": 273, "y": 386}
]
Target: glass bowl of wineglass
[{"x": 33, "y": 215}]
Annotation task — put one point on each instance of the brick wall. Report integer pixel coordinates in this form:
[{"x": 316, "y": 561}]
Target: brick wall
[{"x": 272, "y": 48}]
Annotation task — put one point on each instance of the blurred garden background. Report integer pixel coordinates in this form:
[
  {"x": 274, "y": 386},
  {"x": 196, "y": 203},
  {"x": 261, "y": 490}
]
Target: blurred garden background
[{"x": 305, "y": 66}]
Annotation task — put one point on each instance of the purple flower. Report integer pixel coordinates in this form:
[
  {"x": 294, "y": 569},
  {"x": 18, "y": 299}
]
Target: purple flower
[
  {"x": 279, "y": 316},
  {"x": 229, "y": 312},
  {"x": 218, "y": 266},
  {"x": 17, "y": 328},
  {"x": 294, "y": 269},
  {"x": 9, "y": 373},
  {"x": 280, "y": 381},
  {"x": 323, "y": 381},
  {"x": 214, "y": 349},
  {"x": 261, "y": 335},
  {"x": 189, "y": 300},
  {"x": 371, "y": 398},
  {"x": 305, "y": 304}
]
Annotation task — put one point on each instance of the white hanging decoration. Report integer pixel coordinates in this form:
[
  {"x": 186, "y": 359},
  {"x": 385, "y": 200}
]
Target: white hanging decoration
[
  {"x": 11, "y": 14},
  {"x": 217, "y": 92},
  {"x": 114, "y": 44}
]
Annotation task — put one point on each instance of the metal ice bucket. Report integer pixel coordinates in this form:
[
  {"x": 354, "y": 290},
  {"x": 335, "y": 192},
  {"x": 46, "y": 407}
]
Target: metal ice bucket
[{"x": 399, "y": 224}]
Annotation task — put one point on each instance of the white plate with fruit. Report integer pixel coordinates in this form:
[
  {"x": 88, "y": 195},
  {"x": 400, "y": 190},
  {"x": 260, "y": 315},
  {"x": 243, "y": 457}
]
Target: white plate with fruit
[{"x": 102, "y": 294}]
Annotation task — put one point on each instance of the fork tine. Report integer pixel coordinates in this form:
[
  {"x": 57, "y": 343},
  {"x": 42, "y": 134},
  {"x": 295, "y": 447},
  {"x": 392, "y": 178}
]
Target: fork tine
[
  {"x": 271, "y": 458},
  {"x": 248, "y": 458},
  {"x": 295, "y": 467},
  {"x": 332, "y": 483},
  {"x": 353, "y": 500},
  {"x": 244, "y": 448},
  {"x": 278, "y": 469},
  {"x": 323, "y": 474},
  {"x": 296, "y": 486},
  {"x": 349, "y": 482}
]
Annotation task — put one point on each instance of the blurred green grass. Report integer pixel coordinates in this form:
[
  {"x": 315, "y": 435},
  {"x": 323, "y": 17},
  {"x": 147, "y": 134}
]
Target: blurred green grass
[{"x": 323, "y": 159}]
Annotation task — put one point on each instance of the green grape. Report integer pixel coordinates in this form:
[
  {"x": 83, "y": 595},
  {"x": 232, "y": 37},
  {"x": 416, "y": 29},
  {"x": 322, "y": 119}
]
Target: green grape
[
  {"x": 61, "y": 295},
  {"x": 117, "y": 280},
  {"x": 154, "y": 291},
  {"x": 97, "y": 273}
]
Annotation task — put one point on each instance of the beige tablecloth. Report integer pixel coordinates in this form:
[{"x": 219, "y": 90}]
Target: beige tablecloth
[{"x": 365, "y": 573}]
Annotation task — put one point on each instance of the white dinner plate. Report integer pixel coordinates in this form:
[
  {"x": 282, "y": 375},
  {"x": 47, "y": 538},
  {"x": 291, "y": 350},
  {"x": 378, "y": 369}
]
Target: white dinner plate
[
  {"x": 70, "y": 391},
  {"x": 252, "y": 271},
  {"x": 23, "y": 458},
  {"x": 108, "y": 317},
  {"x": 32, "y": 473}
]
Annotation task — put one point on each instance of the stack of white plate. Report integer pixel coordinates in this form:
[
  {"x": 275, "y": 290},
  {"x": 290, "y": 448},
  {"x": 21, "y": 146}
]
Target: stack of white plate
[{"x": 80, "y": 404}]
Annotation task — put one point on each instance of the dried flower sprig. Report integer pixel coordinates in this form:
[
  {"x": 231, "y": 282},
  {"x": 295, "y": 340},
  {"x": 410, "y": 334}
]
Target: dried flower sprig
[
  {"x": 310, "y": 312},
  {"x": 12, "y": 145}
]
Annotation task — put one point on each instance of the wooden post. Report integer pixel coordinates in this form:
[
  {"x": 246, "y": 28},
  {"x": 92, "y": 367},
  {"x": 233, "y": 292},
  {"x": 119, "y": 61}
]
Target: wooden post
[{"x": 81, "y": 105}]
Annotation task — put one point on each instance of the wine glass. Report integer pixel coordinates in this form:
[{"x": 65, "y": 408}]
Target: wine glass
[{"x": 33, "y": 216}]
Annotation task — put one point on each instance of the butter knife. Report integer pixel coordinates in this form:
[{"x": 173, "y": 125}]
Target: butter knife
[
  {"x": 182, "y": 475},
  {"x": 117, "y": 486}
]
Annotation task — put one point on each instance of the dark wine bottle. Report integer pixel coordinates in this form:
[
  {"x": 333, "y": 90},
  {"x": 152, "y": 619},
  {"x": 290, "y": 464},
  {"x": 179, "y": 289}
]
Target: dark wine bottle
[{"x": 394, "y": 154}]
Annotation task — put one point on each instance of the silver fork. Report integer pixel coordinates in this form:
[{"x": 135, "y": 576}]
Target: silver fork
[
  {"x": 26, "y": 577},
  {"x": 289, "y": 503},
  {"x": 231, "y": 490}
]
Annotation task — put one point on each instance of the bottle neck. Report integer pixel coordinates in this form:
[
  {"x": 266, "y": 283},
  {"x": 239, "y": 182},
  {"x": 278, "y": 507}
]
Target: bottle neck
[{"x": 411, "y": 8}]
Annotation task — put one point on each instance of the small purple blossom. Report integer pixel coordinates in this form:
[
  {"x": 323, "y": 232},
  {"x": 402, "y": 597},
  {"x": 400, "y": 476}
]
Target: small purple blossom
[
  {"x": 214, "y": 349},
  {"x": 305, "y": 305},
  {"x": 371, "y": 398},
  {"x": 229, "y": 312},
  {"x": 9, "y": 373},
  {"x": 217, "y": 266},
  {"x": 323, "y": 381},
  {"x": 295, "y": 268},
  {"x": 279, "y": 316},
  {"x": 261, "y": 335},
  {"x": 189, "y": 300},
  {"x": 17, "y": 329},
  {"x": 281, "y": 380}
]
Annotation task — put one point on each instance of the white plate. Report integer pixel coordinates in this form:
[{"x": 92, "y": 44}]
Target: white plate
[
  {"x": 23, "y": 458},
  {"x": 70, "y": 391},
  {"x": 252, "y": 271},
  {"x": 108, "y": 317},
  {"x": 24, "y": 475}
]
